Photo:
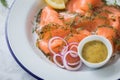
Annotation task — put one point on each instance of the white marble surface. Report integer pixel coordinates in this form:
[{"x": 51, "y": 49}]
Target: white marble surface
[{"x": 9, "y": 69}]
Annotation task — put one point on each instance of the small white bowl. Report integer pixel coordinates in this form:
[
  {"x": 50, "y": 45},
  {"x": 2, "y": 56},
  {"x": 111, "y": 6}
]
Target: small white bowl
[{"x": 91, "y": 38}]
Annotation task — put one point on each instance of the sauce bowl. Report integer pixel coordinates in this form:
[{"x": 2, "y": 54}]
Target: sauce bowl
[{"x": 105, "y": 41}]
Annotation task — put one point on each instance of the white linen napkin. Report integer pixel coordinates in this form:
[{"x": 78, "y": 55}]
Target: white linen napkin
[{"x": 9, "y": 69}]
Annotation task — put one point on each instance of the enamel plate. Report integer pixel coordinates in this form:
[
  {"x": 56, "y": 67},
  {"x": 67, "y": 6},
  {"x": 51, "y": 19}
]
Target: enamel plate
[{"x": 21, "y": 42}]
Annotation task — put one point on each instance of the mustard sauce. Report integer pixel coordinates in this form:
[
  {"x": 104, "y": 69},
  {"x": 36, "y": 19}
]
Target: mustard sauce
[{"x": 94, "y": 51}]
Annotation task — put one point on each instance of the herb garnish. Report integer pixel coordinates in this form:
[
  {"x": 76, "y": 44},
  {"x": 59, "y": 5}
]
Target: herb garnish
[
  {"x": 102, "y": 17},
  {"x": 117, "y": 41},
  {"x": 90, "y": 6},
  {"x": 115, "y": 3},
  {"x": 34, "y": 29},
  {"x": 104, "y": 1},
  {"x": 4, "y": 3},
  {"x": 38, "y": 16}
]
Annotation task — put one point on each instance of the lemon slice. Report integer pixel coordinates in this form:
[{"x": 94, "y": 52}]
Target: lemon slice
[
  {"x": 57, "y": 4},
  {"x": 65, "y": 1}
]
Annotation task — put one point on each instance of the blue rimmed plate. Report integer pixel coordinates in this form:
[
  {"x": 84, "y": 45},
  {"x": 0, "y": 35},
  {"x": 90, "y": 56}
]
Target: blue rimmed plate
[{"x": 21, "y": 42}]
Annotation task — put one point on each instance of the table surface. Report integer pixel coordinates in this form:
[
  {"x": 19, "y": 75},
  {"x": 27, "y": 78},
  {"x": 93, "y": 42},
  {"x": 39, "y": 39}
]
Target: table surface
[{"x": 9, "y": 69}]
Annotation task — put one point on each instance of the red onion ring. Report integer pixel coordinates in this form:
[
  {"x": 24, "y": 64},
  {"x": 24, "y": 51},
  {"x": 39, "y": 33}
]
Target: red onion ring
[
  {"x": 50, "y": 41},
  {"x": 56, "y": 62},
  {"x": 64, "y": 50},
  {"x": 72, "y": 64},
  {"x": 73, "y": 53},
  {"x": 63, "y": 54},
  {"x": 66, "y": 63},
  {"x": 73, "y": 46}
]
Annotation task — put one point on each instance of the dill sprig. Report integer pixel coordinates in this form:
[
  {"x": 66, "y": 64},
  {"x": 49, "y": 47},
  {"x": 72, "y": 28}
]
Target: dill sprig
[
  {"x": 4, "y": 3},
  {"x": 90, "y": 6},
  {"x": 115, "y": 3},
  {"x": 104, "y": 1}
]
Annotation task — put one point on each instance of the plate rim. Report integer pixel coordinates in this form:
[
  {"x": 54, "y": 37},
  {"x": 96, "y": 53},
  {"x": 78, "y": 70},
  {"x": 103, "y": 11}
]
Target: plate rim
[{"x": 10, "y": 49}]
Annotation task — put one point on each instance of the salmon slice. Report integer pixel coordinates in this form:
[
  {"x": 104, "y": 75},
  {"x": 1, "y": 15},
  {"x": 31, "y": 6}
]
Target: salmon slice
[
  {"x": 49, "y": 15},
  {"x": 115, "y": 22},
  {"x": 56, "y": 46},
  {"x": 101, "y": 19},
  {"x": 87, "y": 24},
  {"x": 90, "y": 21},
  {"x": 68, "y": 18},
  {"x": 52, "y": 30},
  {"x": 77, "y": 37},
  {"x": 82, "y": 6},
  {"x": 109, "y": 33},
  {"x": 114, "y": 17},
  {"x": 43, "y": 46},
  {"x": 74, "y": 6},
  {"x": 47, "y": 32},
  {"x": 78, "y": 21}
]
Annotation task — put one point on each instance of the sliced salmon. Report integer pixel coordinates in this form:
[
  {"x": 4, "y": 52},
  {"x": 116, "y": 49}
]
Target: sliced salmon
[
  {"x": 52, "y": 30},
  {"x": 77, "y": 37},
  {"x": 40, "y": 44},
  {"x": 56, "y": 46},
  {"x": 114, "y": 17},
  {"x": 86, "y": 24},
  {"x": 82, "y": 6},
  {"x": 47, "y": 33},
  {"x": 49, "y": 15},
  {"x": 74, "y": 6},
  {"x": 109, "y": 33}
]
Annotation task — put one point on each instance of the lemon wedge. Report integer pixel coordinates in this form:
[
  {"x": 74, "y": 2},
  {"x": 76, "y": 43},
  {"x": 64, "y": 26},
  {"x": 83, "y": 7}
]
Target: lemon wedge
[
  {"x": 57, "y": 4},
  {"x": 65, "y": 1}
]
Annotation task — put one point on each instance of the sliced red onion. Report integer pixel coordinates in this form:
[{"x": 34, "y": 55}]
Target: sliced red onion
[
  {"x": 73, "y": 64},
  {"x": 68, "y": 66},
  {"x": 56, "y": 62},
  {"x": 64, "y": 50},
  {"x": 72, "y": 68},
  {"x": 63, "y": 54},
  {"x": 73, "y": 53},
  {"x": 71, "y": 46},
  {"x": 50, "y": 42}
]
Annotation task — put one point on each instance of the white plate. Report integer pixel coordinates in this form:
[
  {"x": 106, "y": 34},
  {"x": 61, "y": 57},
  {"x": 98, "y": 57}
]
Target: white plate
[{"x": 21, "y": 44}]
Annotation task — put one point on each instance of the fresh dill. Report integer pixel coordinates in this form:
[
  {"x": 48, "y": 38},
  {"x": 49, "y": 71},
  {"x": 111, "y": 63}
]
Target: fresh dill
[
  {"x": 34, "y": 29},
  {"x": 102, "y": 17},
  {"x": 90, "y": 6},
  {"x": 4, "y": 3},
  {"x": 115, "y": 3},
  {"x": 117, "y": 41},
  {"x": 38, "y": 15},
  {"x": 104, "y": 1}
]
